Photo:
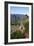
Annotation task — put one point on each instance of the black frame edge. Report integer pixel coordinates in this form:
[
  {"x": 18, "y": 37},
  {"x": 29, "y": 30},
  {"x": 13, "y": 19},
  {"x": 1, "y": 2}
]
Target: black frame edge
[
  {"x": 6, "y": 23},
  {"x": 18, "y": 3}
]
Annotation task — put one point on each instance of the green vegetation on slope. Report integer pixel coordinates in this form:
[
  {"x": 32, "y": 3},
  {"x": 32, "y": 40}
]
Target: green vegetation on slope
[{"x": 18, "y": 34}]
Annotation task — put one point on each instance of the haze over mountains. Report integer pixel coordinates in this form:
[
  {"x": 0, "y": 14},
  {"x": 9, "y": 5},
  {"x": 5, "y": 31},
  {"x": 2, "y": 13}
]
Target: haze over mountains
[{"x": 19, "y": 17}]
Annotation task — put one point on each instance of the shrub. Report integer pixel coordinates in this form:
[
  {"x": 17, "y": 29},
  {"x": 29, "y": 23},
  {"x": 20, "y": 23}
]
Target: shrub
[
  {"x": 26, "y": 24},
  {"x": 17, "y": 35}
]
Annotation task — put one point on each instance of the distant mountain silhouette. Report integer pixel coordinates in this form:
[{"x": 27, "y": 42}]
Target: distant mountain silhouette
[{"x": 15, "y": 17}]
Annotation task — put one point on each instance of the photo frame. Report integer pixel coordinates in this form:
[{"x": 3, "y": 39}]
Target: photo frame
[{"x": 18, "y": 22}]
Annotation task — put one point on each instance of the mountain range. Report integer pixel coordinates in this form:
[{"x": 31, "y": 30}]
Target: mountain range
[{"x": 19, "y": 17}]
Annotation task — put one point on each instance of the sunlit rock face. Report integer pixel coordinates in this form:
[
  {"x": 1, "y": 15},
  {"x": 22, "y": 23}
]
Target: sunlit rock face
[{"x": 20, "y": 28}]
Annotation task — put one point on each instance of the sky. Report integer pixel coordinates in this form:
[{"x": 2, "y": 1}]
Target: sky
[{"x": 19, "y": 10}]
